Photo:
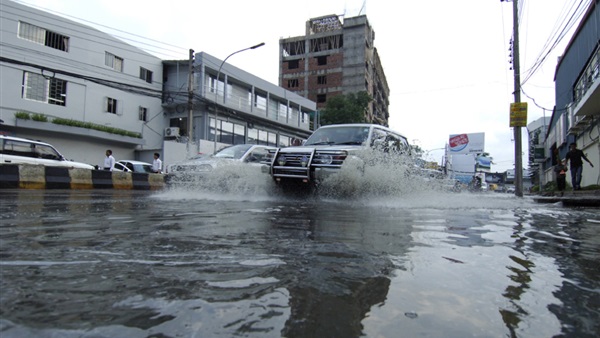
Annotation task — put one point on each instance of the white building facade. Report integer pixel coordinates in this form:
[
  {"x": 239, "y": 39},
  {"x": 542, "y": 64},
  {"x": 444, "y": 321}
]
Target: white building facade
[
  {"x": 78, "y": 88},
  {"x": 247, "y": 108}
]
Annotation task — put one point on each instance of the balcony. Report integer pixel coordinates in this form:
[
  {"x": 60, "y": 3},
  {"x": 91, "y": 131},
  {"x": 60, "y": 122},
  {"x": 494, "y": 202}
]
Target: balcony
[{"x": 587, "y": 90}]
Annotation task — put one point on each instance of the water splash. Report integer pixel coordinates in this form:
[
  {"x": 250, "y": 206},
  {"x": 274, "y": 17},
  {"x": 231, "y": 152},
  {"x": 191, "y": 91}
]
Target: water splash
[{"x": 371, "y": 178}]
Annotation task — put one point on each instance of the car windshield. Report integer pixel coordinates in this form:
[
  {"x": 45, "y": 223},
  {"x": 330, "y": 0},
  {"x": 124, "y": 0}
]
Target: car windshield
[
  {"x": 351, "y": 135},
  {"x": 233, "y": 152}
]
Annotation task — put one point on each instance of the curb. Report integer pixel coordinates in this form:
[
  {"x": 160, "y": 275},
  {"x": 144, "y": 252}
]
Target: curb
[{"x": 25, "y": 176}]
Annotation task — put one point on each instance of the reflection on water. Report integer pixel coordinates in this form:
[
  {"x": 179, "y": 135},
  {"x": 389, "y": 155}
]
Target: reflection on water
[{"x": 190, "y": 262}]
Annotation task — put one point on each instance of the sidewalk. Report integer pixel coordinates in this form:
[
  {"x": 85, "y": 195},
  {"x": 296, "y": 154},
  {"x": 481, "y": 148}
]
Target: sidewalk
[{"x": 580, "y": 198}]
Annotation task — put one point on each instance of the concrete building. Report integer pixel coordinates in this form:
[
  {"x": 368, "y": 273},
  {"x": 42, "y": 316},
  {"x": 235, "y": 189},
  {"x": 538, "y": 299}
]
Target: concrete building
[
  {"x": 249, "y": 109},
  {"x": 335, "y": 58},
  {"x": 85, "y": 91},
  {"x": 537, "y": 132},
  {"x": 577, "y": 86},
  {"x": 103, "y": 92}
]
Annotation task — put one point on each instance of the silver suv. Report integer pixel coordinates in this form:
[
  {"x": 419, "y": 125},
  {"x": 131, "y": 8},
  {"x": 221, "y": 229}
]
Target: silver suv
[
  {"x": 16, "y": 150},
  {"x": 329, "y": 147}
]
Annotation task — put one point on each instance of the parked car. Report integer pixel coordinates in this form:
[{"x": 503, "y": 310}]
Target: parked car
[
  {"x": 250, "y": 154},
  {"x": 133, "y": 166},
  {"x": 16, "y": 150},
  {"x": 330, "y": 147}
]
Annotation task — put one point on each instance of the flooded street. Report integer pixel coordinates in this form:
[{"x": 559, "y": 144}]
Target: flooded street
[{"x": 251, "y": 263}]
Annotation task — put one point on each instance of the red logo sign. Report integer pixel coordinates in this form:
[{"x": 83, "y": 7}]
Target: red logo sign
[{"x": 459, "y": 140}]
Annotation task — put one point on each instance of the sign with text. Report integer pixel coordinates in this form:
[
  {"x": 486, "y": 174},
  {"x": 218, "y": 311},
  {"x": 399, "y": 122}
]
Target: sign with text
[
  {"x": 467, "y": 143},
  {"x": 518, "y": 114}
]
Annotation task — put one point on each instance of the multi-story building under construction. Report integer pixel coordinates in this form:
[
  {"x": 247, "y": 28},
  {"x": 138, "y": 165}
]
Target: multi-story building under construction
[{"x": 335, "y": 58}]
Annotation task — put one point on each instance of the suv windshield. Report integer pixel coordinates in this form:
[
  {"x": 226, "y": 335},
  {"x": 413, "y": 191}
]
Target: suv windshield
[
  {"x": 349, "y": 135},
  {"x": 233, "y": 152}
]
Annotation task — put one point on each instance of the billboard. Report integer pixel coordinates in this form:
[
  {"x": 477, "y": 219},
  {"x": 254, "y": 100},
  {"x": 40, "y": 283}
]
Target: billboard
[
  {"x": 463, "y": 167},
  {"x": 467, "y": 143}
]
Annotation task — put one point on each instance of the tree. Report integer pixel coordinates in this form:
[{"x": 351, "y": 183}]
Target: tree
[
  {"x": 348, "y": 108},
  {"x": 415, "y": 149}
]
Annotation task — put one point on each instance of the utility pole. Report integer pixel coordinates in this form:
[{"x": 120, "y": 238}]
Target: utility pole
[
  {"x": 517, "y": 96},
  {"x": 190, "y": 124},
  {"x": 517, "y": 69}
]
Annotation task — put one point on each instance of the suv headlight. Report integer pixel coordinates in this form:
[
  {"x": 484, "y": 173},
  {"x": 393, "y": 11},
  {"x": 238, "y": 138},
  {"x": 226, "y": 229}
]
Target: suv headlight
[
  {"x": 323, "y": 159},
  {"x": 330, "y": 157}
]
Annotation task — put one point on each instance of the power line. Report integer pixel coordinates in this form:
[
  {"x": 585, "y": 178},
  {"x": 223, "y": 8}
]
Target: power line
[
  {"x": 113, "y": 84},
  {"x": 160, "y": 49},
  {"x": 549, "y": 47}
]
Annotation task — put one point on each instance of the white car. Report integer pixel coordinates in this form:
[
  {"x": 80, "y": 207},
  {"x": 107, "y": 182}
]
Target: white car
[
  {"x": 251, "y": 154},
  {"x": 16, "y": 150},
  {"x": 133, "y": 166}
]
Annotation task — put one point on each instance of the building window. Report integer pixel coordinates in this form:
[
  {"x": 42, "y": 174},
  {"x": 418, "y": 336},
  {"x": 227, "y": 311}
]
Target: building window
[
  {"x": 322, "y": 80},
  {"x": 293, "y": 83},
  {"x": 113, "y": 62},
  {"x": 321, "y": 98},
  {"x": 145, "y": 74},
  {"x": 40, "y": 88},
  {"x": 143, "y": 114},
  {"x": 43, "y": 36},
  {"x": 305, "y": 118},
  {"x": 322, "y": 60},
  {"x": 293, "y": 64},
  {"x": 111, "y": 105},
  {"x": 260, "y": 102}
]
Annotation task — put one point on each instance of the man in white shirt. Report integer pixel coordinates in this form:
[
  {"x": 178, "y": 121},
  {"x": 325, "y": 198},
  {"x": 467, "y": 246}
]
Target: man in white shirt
[
  {"x": 109, "y": 161},
  {"x": 157, "y": 164}
]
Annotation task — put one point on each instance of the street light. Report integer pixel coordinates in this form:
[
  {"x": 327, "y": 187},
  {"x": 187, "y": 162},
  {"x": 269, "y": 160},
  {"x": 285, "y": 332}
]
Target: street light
[{"x": 224, "y": 85}]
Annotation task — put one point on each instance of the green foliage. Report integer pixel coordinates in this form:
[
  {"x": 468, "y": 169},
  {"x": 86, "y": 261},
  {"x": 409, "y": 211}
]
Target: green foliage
[
  {"x": 99, "y": 127},
  {"x": 346, "y": 109},
  {"x": 552, "y": 186},
  {"x": 39, "y": 118},
  {"x": 416, "y": 149},
  {"x": 22, "y": 115},
  {"x": 73, "y": 123}
]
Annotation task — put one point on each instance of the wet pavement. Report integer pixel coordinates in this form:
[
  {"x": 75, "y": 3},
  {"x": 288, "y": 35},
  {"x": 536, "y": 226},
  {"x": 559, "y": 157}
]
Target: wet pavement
[{"x": 186, "y": 262}]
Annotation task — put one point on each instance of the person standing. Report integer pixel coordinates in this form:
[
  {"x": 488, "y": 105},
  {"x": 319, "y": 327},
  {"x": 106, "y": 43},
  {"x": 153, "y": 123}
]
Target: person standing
[
  {"x": 109, "y": 161},
  {"x": 561, "y": 176},
  {"x": 157, "y": 164},
  {"x": 575, "y": 156}
]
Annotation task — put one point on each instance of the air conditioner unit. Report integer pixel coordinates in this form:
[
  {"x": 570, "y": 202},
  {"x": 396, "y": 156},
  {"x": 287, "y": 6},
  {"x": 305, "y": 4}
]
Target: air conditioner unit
[{"x": 172, "y": 132}]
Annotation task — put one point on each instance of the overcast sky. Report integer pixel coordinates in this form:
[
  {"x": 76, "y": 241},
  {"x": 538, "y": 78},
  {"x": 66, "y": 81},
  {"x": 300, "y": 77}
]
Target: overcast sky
[{"x": 446, "y": 62}]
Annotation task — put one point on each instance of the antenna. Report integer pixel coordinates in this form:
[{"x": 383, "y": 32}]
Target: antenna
[{"x": 364, "y": 5}]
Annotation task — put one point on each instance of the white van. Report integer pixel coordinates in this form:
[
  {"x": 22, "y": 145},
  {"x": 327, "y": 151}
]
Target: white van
[{"x": 16, "y": 150}]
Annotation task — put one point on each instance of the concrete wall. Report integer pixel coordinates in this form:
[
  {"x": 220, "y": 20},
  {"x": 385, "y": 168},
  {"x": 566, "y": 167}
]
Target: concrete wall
[{"x": 24, "y": 176}]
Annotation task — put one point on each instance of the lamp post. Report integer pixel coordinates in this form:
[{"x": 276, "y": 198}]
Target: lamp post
[
  {"x": 426, "y": 155},
  {"x": 224, "y": 86}
]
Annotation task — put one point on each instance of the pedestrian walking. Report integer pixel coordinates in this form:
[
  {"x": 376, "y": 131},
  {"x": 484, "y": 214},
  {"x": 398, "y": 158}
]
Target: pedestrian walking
[
  {"x": 561, "y": 176},
  {"x": 576, "y": 156},
  {"x": 109, "y": 161},
  {"x": 157, "y": 164}
]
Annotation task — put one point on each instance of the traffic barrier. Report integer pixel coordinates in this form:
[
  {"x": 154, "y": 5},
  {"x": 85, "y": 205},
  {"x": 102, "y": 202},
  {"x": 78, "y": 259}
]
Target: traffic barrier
[{"x": 25, "y": 176}]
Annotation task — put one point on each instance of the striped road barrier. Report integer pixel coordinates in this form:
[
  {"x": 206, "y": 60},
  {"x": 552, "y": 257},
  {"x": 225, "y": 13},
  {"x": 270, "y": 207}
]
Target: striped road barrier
[{"x": 26, "y": 176}]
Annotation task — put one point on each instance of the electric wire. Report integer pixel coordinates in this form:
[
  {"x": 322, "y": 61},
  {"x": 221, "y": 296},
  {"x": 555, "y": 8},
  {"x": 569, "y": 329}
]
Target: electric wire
[
  {"x": 97, "y": 36},
  {"x": 575, "y": 16}
]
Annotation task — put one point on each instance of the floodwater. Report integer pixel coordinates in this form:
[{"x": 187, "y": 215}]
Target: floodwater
[{"x": 232, "y": 257}]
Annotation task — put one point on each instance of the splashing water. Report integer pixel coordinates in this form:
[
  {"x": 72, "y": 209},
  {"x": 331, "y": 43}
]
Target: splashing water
[{"x": 370, "y": 178}]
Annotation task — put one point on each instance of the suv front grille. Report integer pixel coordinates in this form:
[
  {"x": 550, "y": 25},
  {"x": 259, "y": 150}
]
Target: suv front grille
[{"x": 299, "y": 164}]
